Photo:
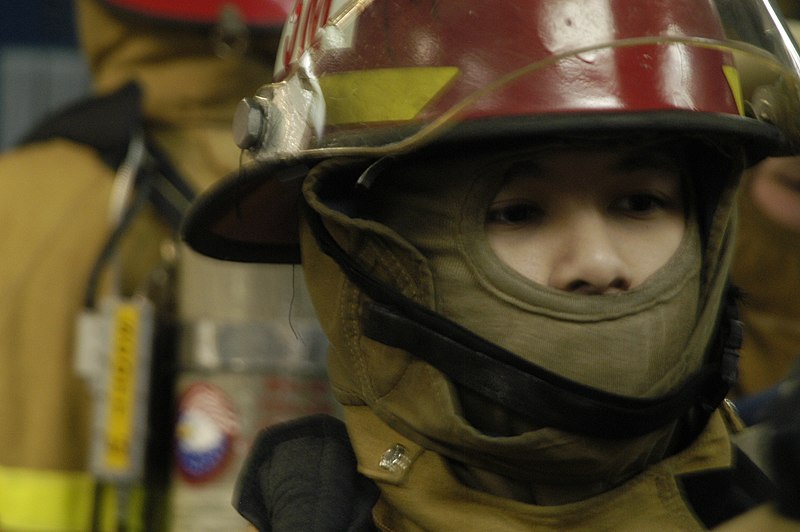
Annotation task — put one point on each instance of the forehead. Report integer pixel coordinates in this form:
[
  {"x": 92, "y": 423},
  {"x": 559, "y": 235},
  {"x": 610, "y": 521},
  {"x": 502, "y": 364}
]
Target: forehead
[
  {"x": 592, "y": 162},
  {"x": 450, "y": 175}
]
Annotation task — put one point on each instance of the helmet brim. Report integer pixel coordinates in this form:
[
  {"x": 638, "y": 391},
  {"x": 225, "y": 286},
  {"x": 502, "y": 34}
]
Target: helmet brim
[{"x": 252, "y": 215}]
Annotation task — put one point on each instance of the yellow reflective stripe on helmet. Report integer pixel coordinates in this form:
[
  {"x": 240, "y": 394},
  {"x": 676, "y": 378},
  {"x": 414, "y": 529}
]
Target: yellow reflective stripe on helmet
[
  {"x": 56, "y": 501},
  {"x": 732, "y": 75},
  {"x": 382, "y": 95}
]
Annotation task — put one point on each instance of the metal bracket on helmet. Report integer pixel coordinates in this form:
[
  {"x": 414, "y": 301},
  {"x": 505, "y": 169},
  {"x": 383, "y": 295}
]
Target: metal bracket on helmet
[{"x": 282, "y": 118}]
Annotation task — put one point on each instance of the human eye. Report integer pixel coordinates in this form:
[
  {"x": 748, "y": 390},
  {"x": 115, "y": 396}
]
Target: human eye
[
  {"x": 513, "y": 213},
  {"x": 643, "y": 204}
]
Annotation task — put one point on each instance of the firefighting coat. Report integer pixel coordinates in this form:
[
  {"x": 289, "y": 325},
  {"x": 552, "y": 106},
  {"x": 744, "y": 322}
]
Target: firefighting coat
[{"x": 55, "y": 221}]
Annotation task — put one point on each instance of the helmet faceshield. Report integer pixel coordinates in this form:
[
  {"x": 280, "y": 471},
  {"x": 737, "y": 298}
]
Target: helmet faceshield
[{"x": 351, "y": 83}]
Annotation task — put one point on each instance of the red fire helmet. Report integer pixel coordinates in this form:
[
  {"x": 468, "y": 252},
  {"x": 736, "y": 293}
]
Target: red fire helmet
[
  {"x": 256, "y": 13},
  {"x": 379, "y": 77}
]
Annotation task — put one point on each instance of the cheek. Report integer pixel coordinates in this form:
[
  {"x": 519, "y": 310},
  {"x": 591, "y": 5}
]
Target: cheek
[
  {"x": 521, "y": 251},
  {"x": 648, "y": 247},
  {"x": 636, "y": 249}
]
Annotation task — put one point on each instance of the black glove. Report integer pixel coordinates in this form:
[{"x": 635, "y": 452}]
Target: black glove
[{"x": 301, "y": 475}]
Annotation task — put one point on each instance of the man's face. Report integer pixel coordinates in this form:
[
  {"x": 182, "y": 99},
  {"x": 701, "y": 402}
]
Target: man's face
[{"x": 589, "y": 221}]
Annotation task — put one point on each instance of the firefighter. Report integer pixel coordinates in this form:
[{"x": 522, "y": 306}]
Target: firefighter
[
  {"x": 516, "y": 224},
  {"x": 166, "y": 80},
  {"x": 766, "y": 266}
]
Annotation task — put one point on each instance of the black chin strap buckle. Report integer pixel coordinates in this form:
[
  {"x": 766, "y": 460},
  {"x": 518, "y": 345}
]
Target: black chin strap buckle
[
  {"x": 729, "y": 368},
  {"x": 728, "y": 346}
]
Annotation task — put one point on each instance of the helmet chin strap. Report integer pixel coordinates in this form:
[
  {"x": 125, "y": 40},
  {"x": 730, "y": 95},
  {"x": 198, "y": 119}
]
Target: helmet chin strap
[{"x": 534, "y": 393}]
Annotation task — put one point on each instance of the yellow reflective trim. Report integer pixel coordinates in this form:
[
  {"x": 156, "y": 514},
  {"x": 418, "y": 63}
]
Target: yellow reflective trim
[
  {"x": 34, "y": 500},
  {"x": 44, "y": 500},
  {"x": 121, "y": 390},
  {"x": 732, "y": 75},
  {"x": 382, "y": 95}
]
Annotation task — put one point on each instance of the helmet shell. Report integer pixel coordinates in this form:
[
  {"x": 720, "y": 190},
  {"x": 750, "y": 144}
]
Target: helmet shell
[
  {"x": 446, "y": 54},
  {"x": 358, "y": 74}
]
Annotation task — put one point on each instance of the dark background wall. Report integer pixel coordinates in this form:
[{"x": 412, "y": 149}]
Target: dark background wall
[
  {"x": 41, "y": 67},
  {"x": 37, "y": 22}
]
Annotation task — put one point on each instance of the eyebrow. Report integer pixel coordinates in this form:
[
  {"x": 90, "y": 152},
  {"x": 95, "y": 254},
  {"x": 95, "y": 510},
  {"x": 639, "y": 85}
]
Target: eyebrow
[
  {"x": 526, "y": 168},
  {"x": 660, "y": 159}
]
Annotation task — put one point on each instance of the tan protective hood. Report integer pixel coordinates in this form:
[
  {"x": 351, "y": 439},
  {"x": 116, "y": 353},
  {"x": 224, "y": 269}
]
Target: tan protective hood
[{"x": 442, "y": 261}]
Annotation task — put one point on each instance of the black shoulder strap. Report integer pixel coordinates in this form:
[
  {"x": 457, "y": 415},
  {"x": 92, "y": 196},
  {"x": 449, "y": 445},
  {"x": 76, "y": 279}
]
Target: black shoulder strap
[
  {"x": 111, "y": 124},
  {"x": 106, "y": 123},
  {"x": 720, "y": 495}
]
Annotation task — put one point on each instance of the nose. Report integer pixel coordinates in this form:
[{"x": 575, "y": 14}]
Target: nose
[{"x": 587, "y": 260}]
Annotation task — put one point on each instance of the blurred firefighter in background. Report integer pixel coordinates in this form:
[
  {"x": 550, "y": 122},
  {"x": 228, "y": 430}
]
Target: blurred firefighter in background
[
  {"x": 767, "y": 269},
  {"x": 90, "y": 199},
  {"x": 789, "y": 8}
]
